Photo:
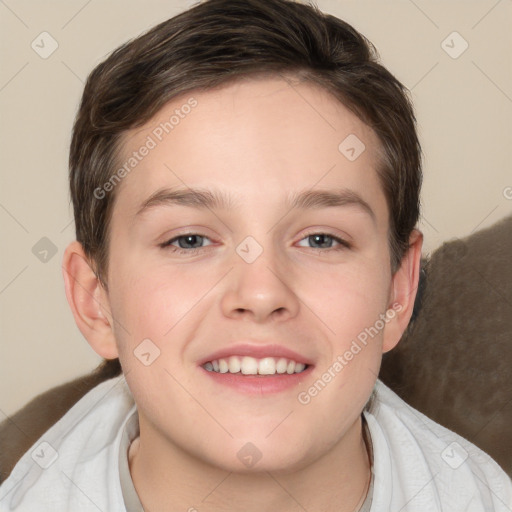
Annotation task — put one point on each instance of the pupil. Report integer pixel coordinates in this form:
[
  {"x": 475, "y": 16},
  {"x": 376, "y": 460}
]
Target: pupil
[
  {"x": 189, "y": 239},
  {"x": 317, "y": 237}
]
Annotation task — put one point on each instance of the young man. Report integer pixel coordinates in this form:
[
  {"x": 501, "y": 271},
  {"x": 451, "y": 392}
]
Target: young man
[{"x": 245, "y": 179}]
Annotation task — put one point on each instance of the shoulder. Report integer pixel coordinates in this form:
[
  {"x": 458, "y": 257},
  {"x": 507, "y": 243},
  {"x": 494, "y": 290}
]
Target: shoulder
[
  {"x": 420, "y": 464},
  {"x": 74, "y": 460}
]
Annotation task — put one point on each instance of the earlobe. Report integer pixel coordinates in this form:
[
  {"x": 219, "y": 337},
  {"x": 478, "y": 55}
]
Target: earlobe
[
  {"x": 88, "y": 301},
  {"x": 403, "y": 292}
]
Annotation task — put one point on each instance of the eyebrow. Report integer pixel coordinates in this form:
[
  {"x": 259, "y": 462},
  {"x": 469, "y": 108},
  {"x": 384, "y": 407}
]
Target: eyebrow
[{"x": 212, "y": 200}]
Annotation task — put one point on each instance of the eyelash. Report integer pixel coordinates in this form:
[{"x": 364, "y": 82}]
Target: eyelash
[{"x": 343, "y": 244}]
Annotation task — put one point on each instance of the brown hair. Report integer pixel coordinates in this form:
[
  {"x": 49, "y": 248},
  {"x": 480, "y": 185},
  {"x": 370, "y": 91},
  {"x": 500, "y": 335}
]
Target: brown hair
[{"x": 218, "y": 41}]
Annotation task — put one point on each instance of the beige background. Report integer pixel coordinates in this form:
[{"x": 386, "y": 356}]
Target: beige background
[{"x": 464, "y": 109}]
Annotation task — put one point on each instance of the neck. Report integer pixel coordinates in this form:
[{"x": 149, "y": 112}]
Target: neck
[{"x": 167, "y": 478}]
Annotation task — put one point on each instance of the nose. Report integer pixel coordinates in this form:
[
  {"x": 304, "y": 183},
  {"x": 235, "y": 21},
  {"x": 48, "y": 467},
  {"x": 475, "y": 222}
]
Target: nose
[{"x": 262, "y": 290}]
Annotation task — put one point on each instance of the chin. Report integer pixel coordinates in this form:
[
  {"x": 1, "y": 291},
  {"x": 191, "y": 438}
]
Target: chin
[{"x": 259, "y": 455}]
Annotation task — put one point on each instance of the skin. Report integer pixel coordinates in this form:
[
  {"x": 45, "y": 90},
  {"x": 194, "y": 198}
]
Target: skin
[{"x": 259, "y": 140}]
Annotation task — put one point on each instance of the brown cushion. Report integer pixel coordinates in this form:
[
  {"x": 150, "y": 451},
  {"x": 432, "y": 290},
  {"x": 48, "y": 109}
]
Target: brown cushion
[{"x": 454, "y": 362}]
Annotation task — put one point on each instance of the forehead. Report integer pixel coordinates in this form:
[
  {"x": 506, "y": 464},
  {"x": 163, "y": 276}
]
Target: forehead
[{"x": 254, "y": 137}]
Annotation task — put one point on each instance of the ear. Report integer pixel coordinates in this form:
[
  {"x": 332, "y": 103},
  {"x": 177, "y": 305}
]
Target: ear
[
  {"x": 88, "y": 301},
  {"x": 404, "y": 286}
]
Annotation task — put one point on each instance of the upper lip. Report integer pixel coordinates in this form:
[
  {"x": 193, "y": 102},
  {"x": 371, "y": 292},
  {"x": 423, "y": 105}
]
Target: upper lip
[{"x": 258, "y": 351}]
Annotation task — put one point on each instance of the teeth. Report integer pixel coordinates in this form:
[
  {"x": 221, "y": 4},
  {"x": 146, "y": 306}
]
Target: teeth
[
  {"x": 223, "y": 366},
  {"x": 252, "y": 366},
  {"x": 281, "y": 365},
  {"x": 248, "y": 365},
  {"x": 234, "y": 364},
  {"x": 267, "y": 366}
]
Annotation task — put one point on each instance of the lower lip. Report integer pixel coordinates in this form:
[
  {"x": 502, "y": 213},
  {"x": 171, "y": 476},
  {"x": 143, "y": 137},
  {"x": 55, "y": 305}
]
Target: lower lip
[{"x": 259, "y": 384}]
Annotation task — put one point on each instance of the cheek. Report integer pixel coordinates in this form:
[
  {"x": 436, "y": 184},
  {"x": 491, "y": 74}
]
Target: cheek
[
  {"x": 153, "y": 310},
  {"x": 348, "y": 299},
  {"x": 350, "y": 305},
  {"x": 151, "y": 303},
  {"x": 161, "y": 303}
]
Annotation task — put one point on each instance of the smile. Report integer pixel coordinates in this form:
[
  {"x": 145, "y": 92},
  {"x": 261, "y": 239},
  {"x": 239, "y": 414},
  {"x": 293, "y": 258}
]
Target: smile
[{"x": 247, "y": 365}]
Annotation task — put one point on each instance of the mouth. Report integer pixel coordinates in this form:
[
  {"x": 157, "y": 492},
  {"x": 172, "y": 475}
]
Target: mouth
[
  {"x": 257, "y": 369},
  {"x": 257, "y": 377},
  {"x": 246, "y": 365}
]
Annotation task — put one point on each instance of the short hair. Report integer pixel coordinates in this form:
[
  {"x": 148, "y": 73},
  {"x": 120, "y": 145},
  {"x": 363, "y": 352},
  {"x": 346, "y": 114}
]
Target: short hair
[{"x": 220, "y": 41}]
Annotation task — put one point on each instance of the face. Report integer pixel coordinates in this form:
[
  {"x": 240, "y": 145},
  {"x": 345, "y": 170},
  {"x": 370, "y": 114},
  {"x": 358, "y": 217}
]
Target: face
[{"x": 267, "y": 273}]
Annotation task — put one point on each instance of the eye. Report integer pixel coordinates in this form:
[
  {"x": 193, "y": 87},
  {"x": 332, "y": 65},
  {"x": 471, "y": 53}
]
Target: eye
[
  {"x": 325, "y": 241},
  {"x": 190, "y": 243},
  {"x": 184, "y": 242}
]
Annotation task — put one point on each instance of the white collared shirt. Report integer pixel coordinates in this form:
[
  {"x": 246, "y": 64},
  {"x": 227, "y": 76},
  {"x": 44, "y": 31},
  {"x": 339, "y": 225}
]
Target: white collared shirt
[{"x": 81, "y": 463}]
